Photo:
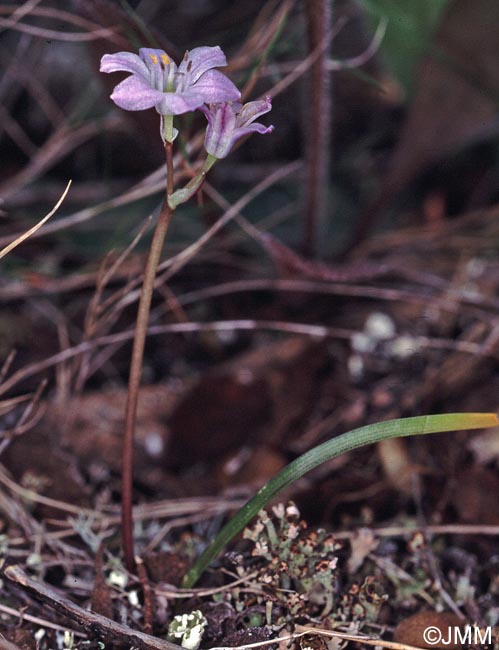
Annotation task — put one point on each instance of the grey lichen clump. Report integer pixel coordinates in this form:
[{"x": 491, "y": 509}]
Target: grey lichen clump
[
  {"x": 301, "y": 562},
  {"x": 301, "y": 578}
]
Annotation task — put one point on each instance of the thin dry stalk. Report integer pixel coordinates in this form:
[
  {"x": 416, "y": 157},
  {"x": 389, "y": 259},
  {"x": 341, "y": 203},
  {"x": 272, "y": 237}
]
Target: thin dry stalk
[
  {"x": 7, "y": 405},
  {"x": 7, "y": 364},
  {"x": 63, "y": 371},
  {"x": 41, "y": 622},
  {"x": 19, "y": 68},
  {"x": 60, "y": 144},
  {"x": 28, "y": 418},
  {"x": 17, "y": 134},
  {"x": 174, "y": 264},
  {"x": 317, "y": 127},
  {"x": 148, "y": 595},
  {"x": 103, "y": 313},
  {"x": 235, "y": 325},
  {"x": 56, "y": 35},
  {"x": 264, "y": 30},
  {"x": 152, "y": 184},
  {"x": 60, "y": 15},
  {"x": 19, "y": 240}
]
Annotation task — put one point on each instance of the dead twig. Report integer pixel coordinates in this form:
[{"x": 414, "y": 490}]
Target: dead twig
[
  {"x": 52, "y": 34},
  {"x": 57, "y": 14},
  {"x": 147, "y": 593},
  {"x": 93, "y": 624},
  {"x": 175, "y": 263},
  {"x": 248, "y": 324},
  {"x": 100, "y": 314},
  {"x": 62, "y": 142}
]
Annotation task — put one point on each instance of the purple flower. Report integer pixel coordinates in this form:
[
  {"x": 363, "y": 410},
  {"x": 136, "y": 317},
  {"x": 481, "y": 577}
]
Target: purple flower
[
  {"x": 157, "y": 81},
  {"x": 229, "y": 121}
]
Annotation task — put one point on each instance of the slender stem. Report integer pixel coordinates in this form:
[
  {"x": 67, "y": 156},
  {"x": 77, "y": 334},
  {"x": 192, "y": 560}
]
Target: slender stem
[
  {"x": 169, "y": 168},
  {"x": 136, "y": 365},
  {"x": 318, "y": 123}
]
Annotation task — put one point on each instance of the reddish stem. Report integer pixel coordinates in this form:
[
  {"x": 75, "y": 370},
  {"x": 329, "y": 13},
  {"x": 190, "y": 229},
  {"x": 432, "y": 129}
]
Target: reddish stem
[
  {"x": 318, "y": 124},
  {"x": 136, "y": 365}
]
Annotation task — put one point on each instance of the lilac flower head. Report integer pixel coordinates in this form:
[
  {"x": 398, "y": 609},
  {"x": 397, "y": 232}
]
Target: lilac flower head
[
  {"x": 157, "y": 81},
  {"x": 229, "y": 121}
]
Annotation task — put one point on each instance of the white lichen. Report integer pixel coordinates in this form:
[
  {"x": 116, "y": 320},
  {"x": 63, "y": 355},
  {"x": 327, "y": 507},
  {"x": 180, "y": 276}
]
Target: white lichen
[
  {"x": 118, "y": 578},
  {"x": 379, "y": 326},
  {"x": 405, "y": 346},
  {"x": 188, "y": 629}
]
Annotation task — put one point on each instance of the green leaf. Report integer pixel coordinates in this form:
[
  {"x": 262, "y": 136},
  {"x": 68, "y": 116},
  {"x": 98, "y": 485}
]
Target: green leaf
[
  {"x": 409, "y": 34},
  {"x": 367, "y": 435}
]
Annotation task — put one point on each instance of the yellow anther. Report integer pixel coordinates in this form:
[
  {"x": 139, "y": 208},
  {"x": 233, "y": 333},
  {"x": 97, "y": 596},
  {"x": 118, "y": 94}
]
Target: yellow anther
[
  {"x": 165, "y": 59},
  {"x": 154, "y": 59}
]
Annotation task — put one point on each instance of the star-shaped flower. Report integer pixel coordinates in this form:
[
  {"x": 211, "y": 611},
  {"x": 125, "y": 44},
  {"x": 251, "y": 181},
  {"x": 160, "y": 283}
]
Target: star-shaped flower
[{"x": 157, "y": 81}]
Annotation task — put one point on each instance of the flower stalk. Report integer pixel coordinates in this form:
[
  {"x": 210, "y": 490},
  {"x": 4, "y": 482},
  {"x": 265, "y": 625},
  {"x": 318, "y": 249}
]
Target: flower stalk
[
  {"x": 156, "y": 81},
  {"x": 136, "y": 365}
]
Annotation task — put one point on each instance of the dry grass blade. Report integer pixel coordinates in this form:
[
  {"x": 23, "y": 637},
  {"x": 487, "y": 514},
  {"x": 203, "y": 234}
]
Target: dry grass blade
[
  {"x": 42, "y": 622},
  {"x": 177, "y": 262},
  {"x": 380, "y": 643},
  {"x": 264, "y": 31},
  {"x": 7, "y": 405},
  {"x": 102, "y": 312},
  {"x": 62, "y": 142},
  {"x": 52, "y": 151},
  {"x": 28, "y": 418},
  {"x": 31, "y": 496},
  {"x": 19, "y": 240},
  {"x": 58, "y": 14}
]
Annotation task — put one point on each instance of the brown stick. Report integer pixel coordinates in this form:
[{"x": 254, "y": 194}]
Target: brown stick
[
  {"x": 318, "y": 122},
  {"x": 92, "y": 623},
  {"x": 148, "y": 594}
]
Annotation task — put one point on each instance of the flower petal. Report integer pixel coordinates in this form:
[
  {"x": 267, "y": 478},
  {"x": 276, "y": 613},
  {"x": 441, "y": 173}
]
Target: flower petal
[
  {"x": 252, "y": 110},
  {"x": 216, "y": 88},
  {"x": 256, "y": 127},
  {"x": 178, "y": 103},
  {"x": 221, "y": 122},
  {"x": 201, "y": 59},
  {"x": 123, "y": 62},
  {"x": 135, "y": 94}
]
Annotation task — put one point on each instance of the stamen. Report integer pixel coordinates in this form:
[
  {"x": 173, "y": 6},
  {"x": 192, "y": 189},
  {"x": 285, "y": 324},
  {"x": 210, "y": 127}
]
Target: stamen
[
  {"x": 189, "y": 66},
  {"x": 154, "y": 59},
  {"x": 165, "y": 59}
]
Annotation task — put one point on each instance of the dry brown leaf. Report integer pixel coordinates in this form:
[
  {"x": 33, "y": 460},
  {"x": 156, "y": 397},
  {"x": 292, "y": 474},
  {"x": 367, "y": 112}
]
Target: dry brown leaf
[{"x": 411, "y": 630}]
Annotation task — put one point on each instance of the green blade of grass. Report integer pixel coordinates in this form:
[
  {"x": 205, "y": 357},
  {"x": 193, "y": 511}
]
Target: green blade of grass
[{"x": 366, "y": 435}]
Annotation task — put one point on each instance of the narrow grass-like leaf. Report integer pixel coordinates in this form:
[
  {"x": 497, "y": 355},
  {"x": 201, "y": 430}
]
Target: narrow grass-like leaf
[
  {"x": 410, "y": 32},
  {"x": 345, "y": 442}
]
